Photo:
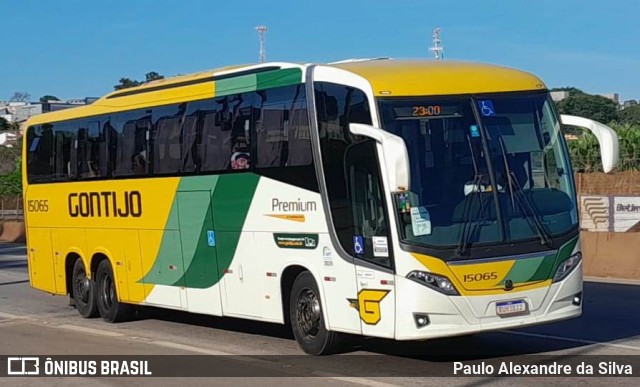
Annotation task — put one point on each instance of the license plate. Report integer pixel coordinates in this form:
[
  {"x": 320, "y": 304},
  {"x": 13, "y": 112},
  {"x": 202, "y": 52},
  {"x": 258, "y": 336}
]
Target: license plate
[{"x": 511, "y": 307}]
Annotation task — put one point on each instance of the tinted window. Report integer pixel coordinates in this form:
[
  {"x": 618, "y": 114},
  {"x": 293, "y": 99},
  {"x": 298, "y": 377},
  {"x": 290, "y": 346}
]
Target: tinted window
[
  {"x": 238, "y": 115},
  {"x": 209, "y": 136},
  {"x": 352, "y": 177},
  {"x": 130, "y": 144},
  {"x": 215, "y": 138},
  {"x": 167, "y": 139},
  {"x": 282, "y": 128},
  {"x": 64, "y": 142},
  {"x": 283, "y": 141},
  {"x": 91, "y": 150},
  {"x": 189, "y": 138},
  {"x": 39, "y": 152}
]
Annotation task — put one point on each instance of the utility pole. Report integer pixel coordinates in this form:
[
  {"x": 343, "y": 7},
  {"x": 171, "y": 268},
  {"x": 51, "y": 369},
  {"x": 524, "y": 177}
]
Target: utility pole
[
  {"x": 262, "y": 32},
  {"x": 437, "y": 48}
]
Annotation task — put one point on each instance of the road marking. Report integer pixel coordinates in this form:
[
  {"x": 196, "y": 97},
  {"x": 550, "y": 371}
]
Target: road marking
[
  {"x": 191, "y": 348},
  {"x": 573, "y": 340},
  {"x": 89, "y": 330},
  {"x": 619, "y": 281},
  {"x": 247, "y": 358},
  {"x": 355, "y": 380},
  {"x": 9, "y": 316}
]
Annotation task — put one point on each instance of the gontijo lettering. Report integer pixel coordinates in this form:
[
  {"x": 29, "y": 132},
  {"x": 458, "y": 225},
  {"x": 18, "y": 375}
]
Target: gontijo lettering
[{"x": 105, "y": 204}]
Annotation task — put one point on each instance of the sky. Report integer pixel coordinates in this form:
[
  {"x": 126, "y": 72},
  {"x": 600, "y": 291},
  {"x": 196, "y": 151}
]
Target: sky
[{"x": 76, "y": 49}]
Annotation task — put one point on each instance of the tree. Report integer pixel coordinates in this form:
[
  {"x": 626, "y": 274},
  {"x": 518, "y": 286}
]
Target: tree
[
  {"x": 153, "y": 76},
  {"x": 4, "y": 124},
  {"x": 594, "y": 107},
  {"x": 630, "y": 115},
  {"x": 47, "y": 98},
  {"x": 20, "y": 96},
  {"x": 126, "y": 83}
]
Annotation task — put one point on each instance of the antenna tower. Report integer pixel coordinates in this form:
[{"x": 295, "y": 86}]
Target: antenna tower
[
  {"x": 262, "y": 32},
  {"x": 437, "y": 48}
]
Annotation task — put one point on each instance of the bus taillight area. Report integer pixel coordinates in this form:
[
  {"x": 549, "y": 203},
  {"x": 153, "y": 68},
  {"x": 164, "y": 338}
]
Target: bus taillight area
[{"x": 425, "y": 313}]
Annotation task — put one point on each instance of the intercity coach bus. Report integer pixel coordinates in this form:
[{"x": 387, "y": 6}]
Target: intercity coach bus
[{"x": 389, "y": 198}]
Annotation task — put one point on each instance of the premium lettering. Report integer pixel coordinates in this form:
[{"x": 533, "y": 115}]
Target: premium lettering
[
  {"x": 105, "y": 204},
  {"x": 297, "y": 206}
]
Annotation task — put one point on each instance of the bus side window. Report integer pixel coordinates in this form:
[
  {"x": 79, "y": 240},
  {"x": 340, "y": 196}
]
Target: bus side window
[
  {"x": 88, "y": 143},
  {"x": 131, "y": 145},
  {"x": 215, "y": 139}
]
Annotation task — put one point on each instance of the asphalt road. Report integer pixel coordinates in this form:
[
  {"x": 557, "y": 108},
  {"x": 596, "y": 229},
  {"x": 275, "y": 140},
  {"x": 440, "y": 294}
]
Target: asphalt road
[{"x": 35, "y": 323}]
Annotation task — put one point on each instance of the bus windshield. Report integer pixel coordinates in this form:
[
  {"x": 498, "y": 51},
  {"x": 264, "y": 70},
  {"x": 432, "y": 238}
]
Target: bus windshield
[{"x": 485, "y": 170}]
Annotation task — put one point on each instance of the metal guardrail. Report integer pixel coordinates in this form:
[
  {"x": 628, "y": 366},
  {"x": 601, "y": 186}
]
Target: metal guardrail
[
  {"x": 12, "y": 214},
  {"x": 11, "y": 209}
]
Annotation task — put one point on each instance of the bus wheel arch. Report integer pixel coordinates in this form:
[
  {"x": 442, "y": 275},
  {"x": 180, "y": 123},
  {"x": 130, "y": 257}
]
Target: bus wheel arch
[
  {"x": 287, "y": 279},
  {"x": 306, "y": 314}
]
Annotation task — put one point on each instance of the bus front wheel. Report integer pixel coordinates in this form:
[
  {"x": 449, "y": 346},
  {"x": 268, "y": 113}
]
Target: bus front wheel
[
  {"x": 83, "y": 291},
  {"x": 307, "y": 322},
  {"x": 111, "y": 310}
]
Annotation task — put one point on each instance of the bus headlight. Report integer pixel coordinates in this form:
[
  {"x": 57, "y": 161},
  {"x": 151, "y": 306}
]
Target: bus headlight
[
  {"x": 567, "y": 267},
  {"x": 434, "y": 281}
]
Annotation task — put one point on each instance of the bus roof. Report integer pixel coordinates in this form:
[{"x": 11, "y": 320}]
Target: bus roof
[
  {"x": 161, "y": 91},
  {"x": 388, "y": 77}
]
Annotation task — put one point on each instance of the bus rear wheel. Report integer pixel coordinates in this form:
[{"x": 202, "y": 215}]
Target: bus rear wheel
[
  {"x": 111, "y": 310},
  {"x": 83, "y": 291},
  {"x": 307, "y": 322}
]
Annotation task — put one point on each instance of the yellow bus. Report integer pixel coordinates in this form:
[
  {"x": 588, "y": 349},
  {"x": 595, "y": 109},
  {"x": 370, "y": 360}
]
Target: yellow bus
[{"x": 389, "y": 198}]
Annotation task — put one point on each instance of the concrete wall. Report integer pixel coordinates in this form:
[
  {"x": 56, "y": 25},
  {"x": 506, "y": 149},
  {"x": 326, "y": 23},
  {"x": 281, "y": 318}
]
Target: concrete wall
[{"x": 610, "y": 254}]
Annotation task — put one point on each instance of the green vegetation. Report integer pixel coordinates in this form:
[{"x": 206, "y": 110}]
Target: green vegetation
[
  {"x": 585, "y": 151},
  {"x": 125, "y": 83},
  {"x": 10, "y": 170},
  {"x": 47, "y": 98}
]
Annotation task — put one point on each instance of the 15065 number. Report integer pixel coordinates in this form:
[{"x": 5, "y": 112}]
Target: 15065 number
[
  {"x": 39, "y": 205},
  {"x": 475, "y": 277}
]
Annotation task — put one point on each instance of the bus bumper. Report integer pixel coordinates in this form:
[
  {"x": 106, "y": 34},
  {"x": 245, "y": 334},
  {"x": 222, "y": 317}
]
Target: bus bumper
[{"x": 462, "y": 315}]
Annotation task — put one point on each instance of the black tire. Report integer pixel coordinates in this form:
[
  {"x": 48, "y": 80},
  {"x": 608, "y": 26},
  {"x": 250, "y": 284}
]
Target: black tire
[
  {"x": 111, "y": 310},
  {"x": 307, "y": 321},
  {"x": 83, "y": 291}
]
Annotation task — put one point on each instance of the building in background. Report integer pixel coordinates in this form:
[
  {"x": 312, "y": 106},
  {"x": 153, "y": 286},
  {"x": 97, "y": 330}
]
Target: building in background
[
  {"x": 559, "y": 95},
  {"x": 19, "y": 112},
  {"x": 615, "y": 97},
  {"x": 8, "y": 139}
]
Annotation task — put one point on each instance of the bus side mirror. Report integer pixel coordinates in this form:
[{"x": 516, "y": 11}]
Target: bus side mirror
[
  {"x": 395, "y": 156},
  {"x": 607, "y": 138}
]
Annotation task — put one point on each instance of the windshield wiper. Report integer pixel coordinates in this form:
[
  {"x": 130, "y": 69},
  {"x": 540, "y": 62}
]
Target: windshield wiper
[
  {"x": 523, "y": 201},
  {"x": 466, "y": 233}
]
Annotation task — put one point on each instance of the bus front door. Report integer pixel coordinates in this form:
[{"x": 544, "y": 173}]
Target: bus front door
[{"x": 371, "y": 244}]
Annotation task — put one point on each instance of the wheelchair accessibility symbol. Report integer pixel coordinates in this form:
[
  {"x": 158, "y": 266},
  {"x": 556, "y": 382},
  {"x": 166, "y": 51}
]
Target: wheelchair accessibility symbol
[
  {"x": 358, "y": 244},
  {"x": 486, "y": 108}
]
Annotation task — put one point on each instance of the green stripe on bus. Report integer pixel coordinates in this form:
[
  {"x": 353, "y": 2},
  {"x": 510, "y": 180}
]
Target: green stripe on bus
[
  {"x": 544, "y": 269},
  {"x": 522, "y": 269},
  {"x": 202, "y": 204},
  {"x": 236, "y": 85},
  {"x": 278, "y": 78},
  {"x": 231, "y": 202},
  {"x": 563, "y": 254},
  {"x": 259, "y": 81}
]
